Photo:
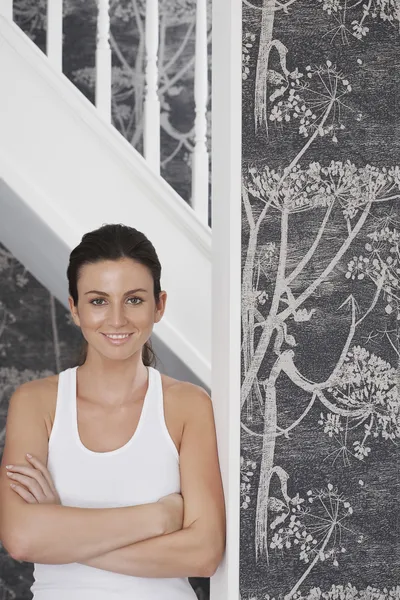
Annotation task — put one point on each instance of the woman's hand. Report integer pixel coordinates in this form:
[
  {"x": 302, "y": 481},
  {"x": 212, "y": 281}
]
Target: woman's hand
[
  {"x": 37, "y": 485},
  {"x": 173, "y": 505}
]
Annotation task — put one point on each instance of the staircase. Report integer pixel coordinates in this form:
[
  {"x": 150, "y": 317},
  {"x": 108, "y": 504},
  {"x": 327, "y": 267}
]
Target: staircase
[{"x": 65, "y": 170}]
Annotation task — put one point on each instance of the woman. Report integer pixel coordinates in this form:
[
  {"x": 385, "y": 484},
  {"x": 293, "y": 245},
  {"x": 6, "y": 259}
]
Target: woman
[{"x": 121, "y": 496}]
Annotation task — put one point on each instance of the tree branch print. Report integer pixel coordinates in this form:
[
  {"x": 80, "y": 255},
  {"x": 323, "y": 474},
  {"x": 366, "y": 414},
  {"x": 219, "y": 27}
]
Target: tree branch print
[{"x": 354, "y": 243}]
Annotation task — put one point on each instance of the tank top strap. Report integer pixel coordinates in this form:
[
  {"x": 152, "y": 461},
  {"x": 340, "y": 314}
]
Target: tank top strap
[
  {"x": 152, "y": 406},
  {"x": 155, "y": 411},
  {"x": 63, "y": 417}
]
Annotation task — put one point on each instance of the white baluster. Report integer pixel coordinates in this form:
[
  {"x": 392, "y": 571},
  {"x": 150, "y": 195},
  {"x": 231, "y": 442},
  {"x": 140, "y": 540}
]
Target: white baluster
[
  {"x": 54, "y": 35},
  {"x": 200, "y": 153},
  {"x": 151, "y": 103},
  {"x": 6, "y": 8},
  {"x": 103, "y": 60}
]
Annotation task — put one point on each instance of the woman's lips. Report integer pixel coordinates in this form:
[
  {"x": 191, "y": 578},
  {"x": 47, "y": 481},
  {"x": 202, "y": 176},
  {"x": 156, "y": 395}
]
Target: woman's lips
[{"x": 118, "y": 341}]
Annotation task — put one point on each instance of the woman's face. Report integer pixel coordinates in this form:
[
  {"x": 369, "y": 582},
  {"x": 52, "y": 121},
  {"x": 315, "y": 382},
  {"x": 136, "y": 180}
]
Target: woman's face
[{"x": 116, "y": 297}]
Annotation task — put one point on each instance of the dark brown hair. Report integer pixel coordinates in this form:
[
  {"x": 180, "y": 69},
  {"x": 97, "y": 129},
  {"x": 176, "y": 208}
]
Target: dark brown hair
[{"x": 113, "y": 242}]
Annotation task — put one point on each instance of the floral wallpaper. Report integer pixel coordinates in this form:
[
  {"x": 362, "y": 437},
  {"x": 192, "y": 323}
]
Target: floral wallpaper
[
  {"x": 320, "y": 416},
  {"x": 37, "y": 336}
]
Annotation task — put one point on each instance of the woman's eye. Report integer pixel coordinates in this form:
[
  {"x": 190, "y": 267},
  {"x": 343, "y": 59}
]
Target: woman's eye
[{"x": 95, "y": 300}]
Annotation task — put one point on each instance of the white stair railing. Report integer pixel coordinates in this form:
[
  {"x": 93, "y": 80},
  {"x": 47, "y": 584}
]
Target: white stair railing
[
  {"x": 6, "y": 8},
  {"x": 54, "y": 33},
  {"x": 200, "y": 154},
  {"x": 151, "y": 139},
  {"x": 103, "y": 92},
  {"x": 103, "y": 89}
]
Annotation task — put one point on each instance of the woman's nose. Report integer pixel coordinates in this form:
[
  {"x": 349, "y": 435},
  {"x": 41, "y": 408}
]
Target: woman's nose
[{"x": 117, "y": 317}]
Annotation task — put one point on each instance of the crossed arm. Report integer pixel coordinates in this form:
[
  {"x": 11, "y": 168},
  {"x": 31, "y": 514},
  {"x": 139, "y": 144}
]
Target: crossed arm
[
  {"x": 100, "y": 537},
  {"x": 197, "y": 549},
  {"x": 185, "y": 553}
]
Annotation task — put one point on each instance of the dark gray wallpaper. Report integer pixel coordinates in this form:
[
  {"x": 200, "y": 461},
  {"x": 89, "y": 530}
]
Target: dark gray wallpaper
[
  {"x": 320, "y": 303},
  {"x": 37, "y": 337}
]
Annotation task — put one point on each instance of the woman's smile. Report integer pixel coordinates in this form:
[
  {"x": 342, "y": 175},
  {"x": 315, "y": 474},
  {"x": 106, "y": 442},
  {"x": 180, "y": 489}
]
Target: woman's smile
[{"x": 117, "y": 338}]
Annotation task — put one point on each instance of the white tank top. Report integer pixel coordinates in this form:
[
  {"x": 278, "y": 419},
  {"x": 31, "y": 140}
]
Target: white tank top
[{"x": 143, "y": 470}]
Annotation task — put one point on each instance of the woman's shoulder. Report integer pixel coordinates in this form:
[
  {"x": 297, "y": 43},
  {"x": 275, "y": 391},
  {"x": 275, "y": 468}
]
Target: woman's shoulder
[
  {"x": 185, "y": 396},
  {"x": 36, "y": 388},
  {"x": 29, "y": 416},
  {"x": 41, "y": 396},
  {"x": 179, "y": 387}
]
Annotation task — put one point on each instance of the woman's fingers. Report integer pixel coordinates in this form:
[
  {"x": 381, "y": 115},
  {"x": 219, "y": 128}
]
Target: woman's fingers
[
  {"x": 44, "y": 470},
  {"x": 31, "y": 484},
  {"x": 37, "y": 479},
  {"x": 21, "y": 491},
  {"x": 33, "y": 474}
]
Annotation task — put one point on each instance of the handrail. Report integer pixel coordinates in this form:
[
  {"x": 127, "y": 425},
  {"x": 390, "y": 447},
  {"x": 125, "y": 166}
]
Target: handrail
[{"x": 152, "y": 112}]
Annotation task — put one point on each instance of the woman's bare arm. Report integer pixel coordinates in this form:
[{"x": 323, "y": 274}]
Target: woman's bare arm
[
  {"x": 185, "y": 553},
  {"x": 56, "y": 534}
]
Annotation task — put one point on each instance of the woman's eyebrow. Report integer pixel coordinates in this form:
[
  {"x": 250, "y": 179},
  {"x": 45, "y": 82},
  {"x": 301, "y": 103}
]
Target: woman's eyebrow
[{"x": 126, "y": 293}]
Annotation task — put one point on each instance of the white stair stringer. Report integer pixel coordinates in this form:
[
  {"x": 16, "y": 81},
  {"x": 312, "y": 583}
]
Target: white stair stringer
[{"x": 65, "y": 171}]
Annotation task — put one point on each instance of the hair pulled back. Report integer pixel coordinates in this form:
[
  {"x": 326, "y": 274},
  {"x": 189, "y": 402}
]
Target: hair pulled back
[{"x": 113, "y": 242}]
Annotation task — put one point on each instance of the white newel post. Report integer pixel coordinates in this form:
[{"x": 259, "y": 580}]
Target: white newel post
[
  {"x": 226, "y": 277},
  {"x": 151, "y": 102},
  {"x": 103, "y": 60},
  {"x": 6, "y": 8},
  {"x": 54, "y": 34},
  {"x": 200, "y": 154}
]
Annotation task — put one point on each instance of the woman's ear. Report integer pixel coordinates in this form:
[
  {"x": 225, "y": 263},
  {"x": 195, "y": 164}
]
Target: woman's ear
[
  {"x": 74, "y": 311},
  {"x": 160, "y": 308}
]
